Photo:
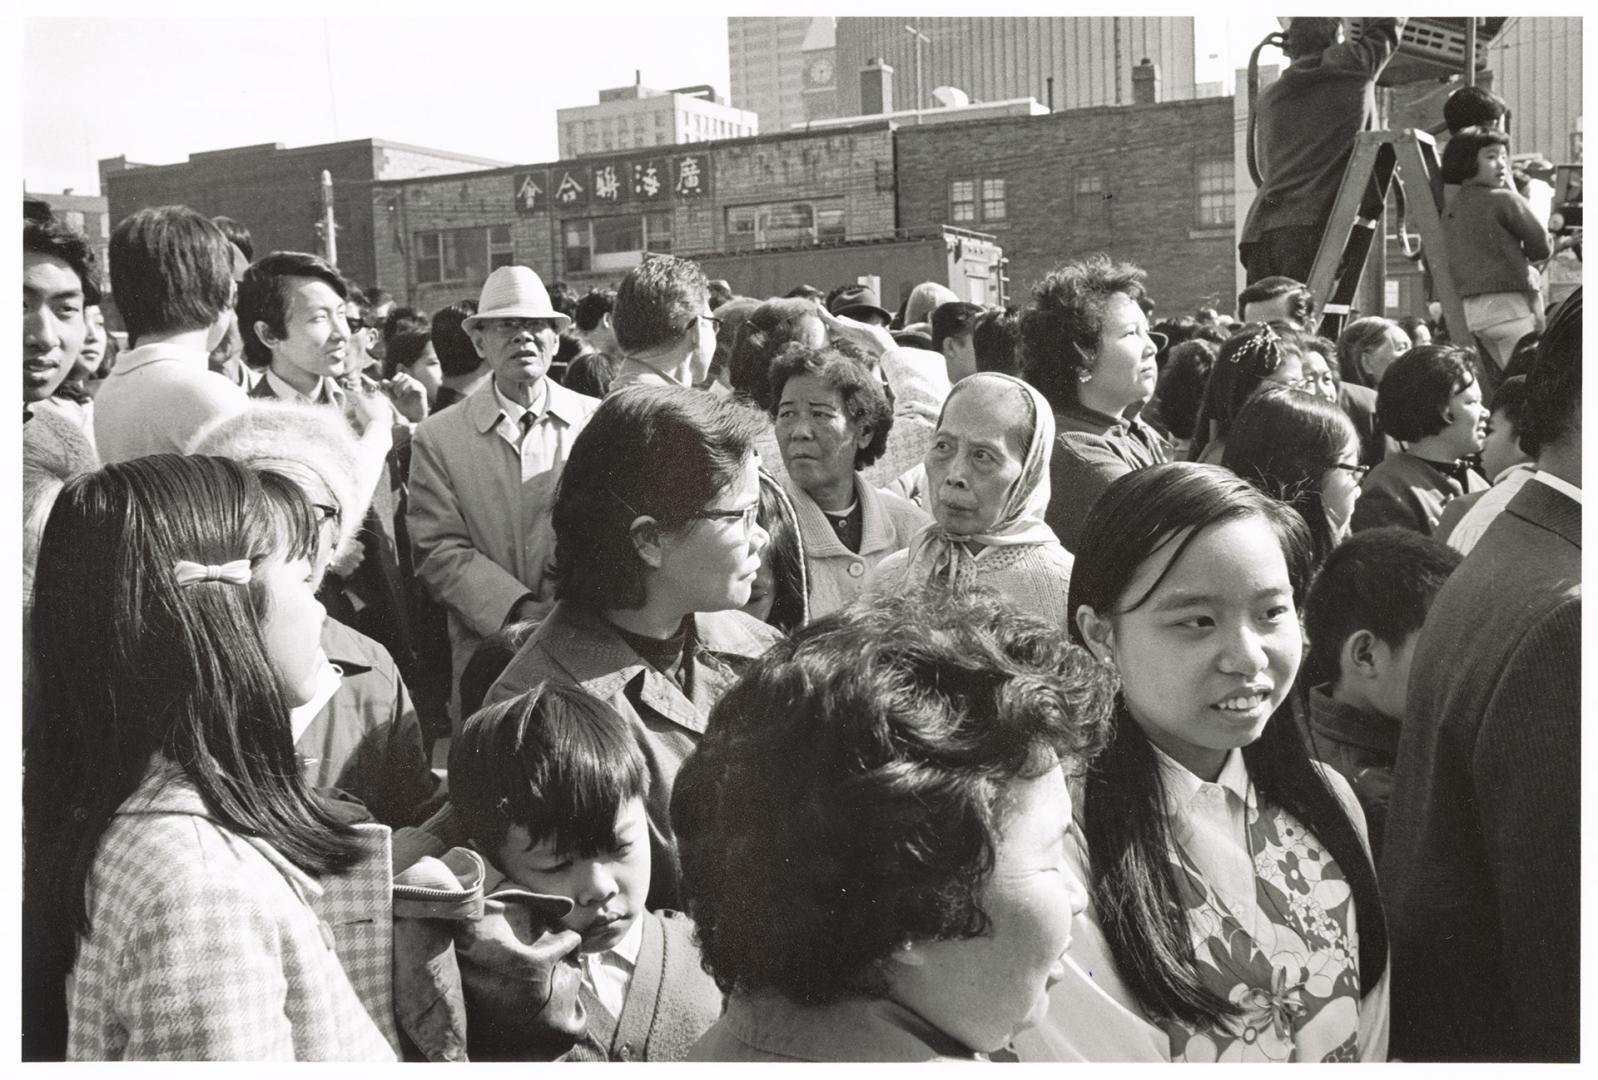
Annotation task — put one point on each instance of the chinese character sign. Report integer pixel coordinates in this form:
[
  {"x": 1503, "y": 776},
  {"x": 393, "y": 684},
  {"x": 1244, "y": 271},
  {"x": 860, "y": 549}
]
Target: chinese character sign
[
  {"x": 569, "y": 190},
  {"x": 531, "y": 191},
  {"x": 649, "y": 180},
  {"x": 607, "y": 187},
  {"x": 693, "y": 176}
]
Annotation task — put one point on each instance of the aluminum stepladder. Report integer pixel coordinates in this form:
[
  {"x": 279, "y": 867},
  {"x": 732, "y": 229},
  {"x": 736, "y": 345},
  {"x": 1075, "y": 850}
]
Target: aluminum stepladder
[{"x": 1357, "y": 218}]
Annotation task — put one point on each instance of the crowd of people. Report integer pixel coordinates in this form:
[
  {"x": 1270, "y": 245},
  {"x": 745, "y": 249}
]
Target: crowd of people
[{"x": 815, "y": 682}]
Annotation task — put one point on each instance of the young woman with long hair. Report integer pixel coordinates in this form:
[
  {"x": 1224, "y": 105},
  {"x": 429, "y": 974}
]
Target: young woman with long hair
[
  {"x": 1233, "y": 907},
  {"x": 1302, "y": 451},
  {"x": 179, "y": 878}
]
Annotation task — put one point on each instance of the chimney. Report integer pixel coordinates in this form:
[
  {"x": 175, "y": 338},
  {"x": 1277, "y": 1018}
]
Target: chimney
[
  {"x": 1146, "y": 83},
  {"x": 876, "y": 87}
]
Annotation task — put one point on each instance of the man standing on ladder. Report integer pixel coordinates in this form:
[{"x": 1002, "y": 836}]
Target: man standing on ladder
[{"x": 1306, "y": 122}]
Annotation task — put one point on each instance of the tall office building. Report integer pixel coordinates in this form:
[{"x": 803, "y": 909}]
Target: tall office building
[
  {"x": 782, "y": 68},
  {"x": 1090, "y": 60}
]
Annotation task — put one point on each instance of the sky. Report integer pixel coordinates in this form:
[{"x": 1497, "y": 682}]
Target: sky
[{"x": 480, "y": 81}]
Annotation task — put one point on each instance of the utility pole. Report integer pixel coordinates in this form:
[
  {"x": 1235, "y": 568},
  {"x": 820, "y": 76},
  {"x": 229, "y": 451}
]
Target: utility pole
[
  {"x": 329, "y": 226},
  {"x": 1117, "y": 24},
  {"x": 921, "y": 93}
]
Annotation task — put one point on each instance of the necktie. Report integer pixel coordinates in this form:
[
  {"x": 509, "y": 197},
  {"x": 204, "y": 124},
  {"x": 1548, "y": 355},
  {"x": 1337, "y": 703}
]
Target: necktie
[{"x": 527, "y": 424}]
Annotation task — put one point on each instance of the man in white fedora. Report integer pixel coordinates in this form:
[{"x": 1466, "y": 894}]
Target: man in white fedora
[{"x": 483, "y": 473}]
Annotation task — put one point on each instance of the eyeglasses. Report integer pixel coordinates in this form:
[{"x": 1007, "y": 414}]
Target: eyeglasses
[
  {"x": 355, "y": 323},
  {"x": 715, "y": 323},
  {"x": 749, "y": 515},
  {"x": 1359, "y": 471}
]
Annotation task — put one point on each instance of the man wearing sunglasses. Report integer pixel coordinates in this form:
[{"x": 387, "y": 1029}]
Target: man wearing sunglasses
[{"x": 663, "y": 324}]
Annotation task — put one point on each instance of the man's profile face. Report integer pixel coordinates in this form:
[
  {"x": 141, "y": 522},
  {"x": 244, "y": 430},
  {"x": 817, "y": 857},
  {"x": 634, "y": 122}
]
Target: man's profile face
[
  {"x": 53, "y": 325},
  {"x": 316, "y": 332}
]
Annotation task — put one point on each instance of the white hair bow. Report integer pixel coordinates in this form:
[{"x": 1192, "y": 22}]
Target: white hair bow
[{"x": 234, "y": 573}]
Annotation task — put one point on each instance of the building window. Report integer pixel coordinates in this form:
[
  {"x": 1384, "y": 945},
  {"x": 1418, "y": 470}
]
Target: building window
[
  {"x": 962, "y": 201},
  {"x": 1217, "y": 194},
  {"x": 1089, "y": 193},
  {"x": 993, "y": 208},
  {"x": 785, "y": 224},
  {"x": 616, "y": 243},
  {"x": 450, "y": 255}
]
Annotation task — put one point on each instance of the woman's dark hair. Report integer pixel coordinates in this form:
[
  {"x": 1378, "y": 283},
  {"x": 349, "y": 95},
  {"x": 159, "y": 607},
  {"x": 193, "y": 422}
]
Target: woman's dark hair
[
  {"x": 1060, "y": 327},
  {"x": 1553, "y": 385},
  {"x": 555, "y": 760},
  {"x": 785, "y": 554},
  {"x": 731, "y": 317},
  {"x": 238, "y": 235},
  {"x": 1283, "y": 442},
  {"x": 134, "y": 666},
  {"x": 665, "y": 452},
  {"x": 1472, "y": 106},
  {"x": 1460, "y": 155},
  {"x": 264, "y": 296},
  {"x": 404, "y": 320},
  {"x": 1358, "y": 338},
  {"x": 995, "y": 337},
  {"x": 1247, "y": 358},
  {"x": 1416, "y": 389},
  {"x": 1181, "y": 388},
  {"x": 1176, "y": 330},
  {"x": 404, "y": 349},
  {"x": 849, "y": 791},
  {"x": 171, "y": 270},
  {"x": 457, "y": 356},
  {"x": 860, "y": 388},
  {"x": 768, "y": 330},
  {"x": 1128, "y": 835}
]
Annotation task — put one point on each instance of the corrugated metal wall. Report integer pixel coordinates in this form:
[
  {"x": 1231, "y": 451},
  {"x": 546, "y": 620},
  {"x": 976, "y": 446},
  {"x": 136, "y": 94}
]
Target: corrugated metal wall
[
  {"x": 1536, "y": 63},
  {"x": 993, "y": 59}
]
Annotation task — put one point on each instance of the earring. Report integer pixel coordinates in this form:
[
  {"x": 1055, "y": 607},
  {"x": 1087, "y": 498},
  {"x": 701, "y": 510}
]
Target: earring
[{"x": 1084, "y": 376}]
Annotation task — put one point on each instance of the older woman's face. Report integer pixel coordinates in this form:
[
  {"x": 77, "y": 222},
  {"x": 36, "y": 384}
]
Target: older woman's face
[
  {"x": 815, "y": 433},
  {"x": 975, "y": 458},
  {"x": 1380, "y": 356},
  {"x": 1124, "y": 371},
  {"x": 984, "y": 990}
]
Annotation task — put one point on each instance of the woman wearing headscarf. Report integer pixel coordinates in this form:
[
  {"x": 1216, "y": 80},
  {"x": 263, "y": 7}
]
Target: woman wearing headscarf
[{"x": 988, "y": 484}]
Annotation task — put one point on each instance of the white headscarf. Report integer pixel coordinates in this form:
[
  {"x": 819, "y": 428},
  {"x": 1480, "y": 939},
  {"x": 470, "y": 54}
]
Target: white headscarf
[{"x": 936, "y": 552}]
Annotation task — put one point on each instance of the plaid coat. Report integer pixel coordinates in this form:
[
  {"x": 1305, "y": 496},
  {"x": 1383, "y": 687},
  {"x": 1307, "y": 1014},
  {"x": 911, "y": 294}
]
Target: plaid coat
[{"x": 209, "y": 945}]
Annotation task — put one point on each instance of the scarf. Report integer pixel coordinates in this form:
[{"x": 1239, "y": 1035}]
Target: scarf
[{"x": 937, "y": 554}]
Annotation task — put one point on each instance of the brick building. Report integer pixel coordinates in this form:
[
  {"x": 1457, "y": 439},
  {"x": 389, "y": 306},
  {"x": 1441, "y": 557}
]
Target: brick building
[
  {"x": 1151, "y": 184},
  {"x": 276, "y": 192},
  {"x": 587, "y": 221}
]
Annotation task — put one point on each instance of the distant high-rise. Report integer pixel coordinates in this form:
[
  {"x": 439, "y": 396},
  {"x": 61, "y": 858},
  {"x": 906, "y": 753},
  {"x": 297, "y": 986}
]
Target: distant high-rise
[
  {"x": 629, "y": 117},
  {"x": 1089, "y": 60},
  {"x": 782, "y": 68}
]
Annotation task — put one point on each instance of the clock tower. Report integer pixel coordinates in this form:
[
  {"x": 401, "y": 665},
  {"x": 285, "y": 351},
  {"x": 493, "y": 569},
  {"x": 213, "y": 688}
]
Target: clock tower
[{"x": 820, "y": 71}]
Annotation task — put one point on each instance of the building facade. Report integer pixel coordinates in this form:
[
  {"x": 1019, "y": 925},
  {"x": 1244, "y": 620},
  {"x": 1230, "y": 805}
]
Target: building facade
[
  {"x": 588, "y": 221},
  {"x": 1088, "y": 59},
  {"x": 634, "y": 117},
  {"x": 1150, "y": 184},
  {"x": 276, "y": 193}
]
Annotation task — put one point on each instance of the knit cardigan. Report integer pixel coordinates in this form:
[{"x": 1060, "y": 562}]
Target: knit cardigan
[{"x": 836, "y": 574}]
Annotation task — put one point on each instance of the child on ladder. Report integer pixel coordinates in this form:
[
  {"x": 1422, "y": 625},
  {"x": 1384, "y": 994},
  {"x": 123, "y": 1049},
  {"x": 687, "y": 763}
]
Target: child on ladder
[{"x": 1492, "y": 237}]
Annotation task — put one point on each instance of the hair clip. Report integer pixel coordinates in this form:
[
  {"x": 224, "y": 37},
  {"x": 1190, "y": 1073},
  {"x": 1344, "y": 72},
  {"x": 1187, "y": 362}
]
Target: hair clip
[
  {"x": 234, "y": 573},
  {"x": 1264, "y": 341}
]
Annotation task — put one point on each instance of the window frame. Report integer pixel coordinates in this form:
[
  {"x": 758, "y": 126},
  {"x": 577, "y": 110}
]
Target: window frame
[
  {"x": 1226, "y": 192},
  {"x": 828, "y": 216},
  {"x": 480, "y": 242}
]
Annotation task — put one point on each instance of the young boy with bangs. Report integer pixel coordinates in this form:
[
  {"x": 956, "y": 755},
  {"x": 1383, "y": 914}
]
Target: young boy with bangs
[
  {"x": 1363, "y": 617},
  {"x": 550, "y": 786}
]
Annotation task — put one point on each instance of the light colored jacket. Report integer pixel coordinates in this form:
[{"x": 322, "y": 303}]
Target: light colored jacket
[
  {"x": 157, "y": 399},
  {"x": 482, "y": 534},
  {"x": 837, "y": 574},
  {"x": 208, "y": 945}
]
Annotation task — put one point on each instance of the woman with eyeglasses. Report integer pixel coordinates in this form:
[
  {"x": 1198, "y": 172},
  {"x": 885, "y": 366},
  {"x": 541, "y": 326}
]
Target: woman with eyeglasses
[
  {"x": 657, "y": 545},
  {"x": 1259, "y": 353},
  {"x": 1302, "y": 451}
]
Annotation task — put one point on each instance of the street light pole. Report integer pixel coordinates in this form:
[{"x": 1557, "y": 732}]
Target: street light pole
[{"x": 921, "y": 95}]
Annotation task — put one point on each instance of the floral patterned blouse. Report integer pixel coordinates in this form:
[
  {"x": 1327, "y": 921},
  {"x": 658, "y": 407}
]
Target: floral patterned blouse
[{"x": 1273, "y": 928}]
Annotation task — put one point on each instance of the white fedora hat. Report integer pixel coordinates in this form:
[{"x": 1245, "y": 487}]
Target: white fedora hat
[{"x": 515, "y": 292}]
